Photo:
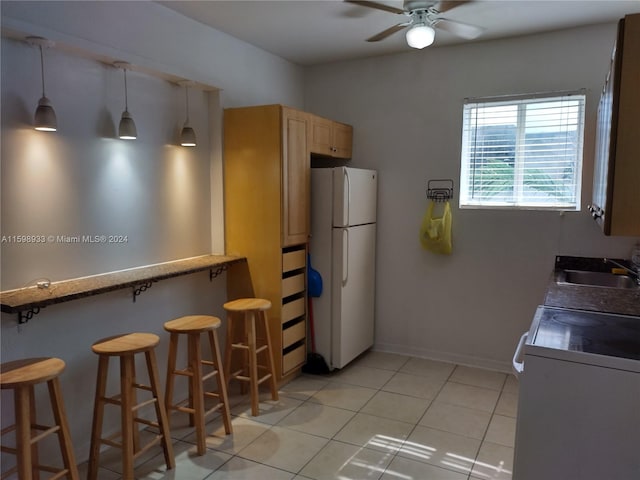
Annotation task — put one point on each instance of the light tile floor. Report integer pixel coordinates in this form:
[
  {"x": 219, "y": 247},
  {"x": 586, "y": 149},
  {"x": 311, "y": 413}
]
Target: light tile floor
[{"x": 384, "y": 417}]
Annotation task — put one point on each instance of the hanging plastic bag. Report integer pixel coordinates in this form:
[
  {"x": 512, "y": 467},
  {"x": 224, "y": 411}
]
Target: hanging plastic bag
[{"x": 435, "y": 232}]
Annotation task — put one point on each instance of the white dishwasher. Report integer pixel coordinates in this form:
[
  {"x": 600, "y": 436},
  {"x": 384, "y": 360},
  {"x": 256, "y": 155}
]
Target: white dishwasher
[{"x": 579, "y": 398}]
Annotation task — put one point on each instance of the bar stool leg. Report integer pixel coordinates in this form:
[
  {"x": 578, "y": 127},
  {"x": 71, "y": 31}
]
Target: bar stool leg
[
  {"x": 195, "y": 365},
  {"x": 35, "y": 473},
  {"x": 161, "y": 411},
  {"x": 171, "y": 368},
  {"x": 64, "y": 436},
  {"x": 23, "y": 432},
  {"x": 134, "y": 401},
  {"x": 227, "y": 351},
  {"x": 98, "y": 416},
  {"x": 126, "y": 387},
  {"x": 222, "y": 383},
  {"x": 269, "y": 354},
  {"x": 253, "y": 364}
]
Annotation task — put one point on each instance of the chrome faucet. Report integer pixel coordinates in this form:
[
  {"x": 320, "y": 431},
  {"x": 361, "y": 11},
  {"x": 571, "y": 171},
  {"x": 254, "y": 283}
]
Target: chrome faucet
[{"x": 635, "y": 273}]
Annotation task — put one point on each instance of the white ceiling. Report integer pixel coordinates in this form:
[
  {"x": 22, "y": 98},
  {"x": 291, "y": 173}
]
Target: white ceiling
[{"x": 309, "y": 32}]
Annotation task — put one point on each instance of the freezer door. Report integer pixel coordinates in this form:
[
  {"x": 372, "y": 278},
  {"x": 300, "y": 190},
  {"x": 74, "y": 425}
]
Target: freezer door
[
  {"x": 353, "y": 289},
  {"x": 354, "y": 196}
]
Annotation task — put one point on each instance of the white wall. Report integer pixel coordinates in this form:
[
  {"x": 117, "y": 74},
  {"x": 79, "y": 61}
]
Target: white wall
[
  {"x": 150, "y": 35},
  {"x": 81, "y": 179},
  {"x": 406, "y": 110}
]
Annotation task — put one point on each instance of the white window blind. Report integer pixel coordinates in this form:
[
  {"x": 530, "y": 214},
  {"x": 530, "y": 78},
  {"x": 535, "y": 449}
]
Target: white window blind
[{"x": 523, "y": 152}]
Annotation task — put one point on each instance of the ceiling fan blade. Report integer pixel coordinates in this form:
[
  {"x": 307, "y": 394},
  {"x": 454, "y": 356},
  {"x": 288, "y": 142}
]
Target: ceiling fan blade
[
  {"x": 389, "y": 31},
  {"x": 449, "y": 4},
  {"x": 464, "y": 30},
  {"x": 378, "y": 6}
]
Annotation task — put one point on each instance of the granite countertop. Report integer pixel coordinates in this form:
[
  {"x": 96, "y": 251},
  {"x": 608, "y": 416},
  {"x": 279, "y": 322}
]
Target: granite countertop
[
  {"x": 31, "y": 298},
  {"x": 624, "y": 301}
]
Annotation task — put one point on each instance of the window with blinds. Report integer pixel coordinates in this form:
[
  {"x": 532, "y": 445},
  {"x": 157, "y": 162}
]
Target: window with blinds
[{"x": 523, "y": 152}]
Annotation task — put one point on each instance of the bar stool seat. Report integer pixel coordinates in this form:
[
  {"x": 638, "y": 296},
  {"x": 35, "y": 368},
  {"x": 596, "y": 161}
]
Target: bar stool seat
[
  {"x": 193, "y": 326},
  {"x": 21, "y": 376},
  {"x": 250, "y": 310},
  {"x": 125, "y": 347}
]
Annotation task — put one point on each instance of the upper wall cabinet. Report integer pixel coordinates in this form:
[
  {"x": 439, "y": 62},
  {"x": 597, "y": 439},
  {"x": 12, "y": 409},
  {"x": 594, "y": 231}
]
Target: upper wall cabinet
[
  {"x": 615, "y": 204},
  {"x": 295, "y": 178},
  {"x": 329, "y": 138}
]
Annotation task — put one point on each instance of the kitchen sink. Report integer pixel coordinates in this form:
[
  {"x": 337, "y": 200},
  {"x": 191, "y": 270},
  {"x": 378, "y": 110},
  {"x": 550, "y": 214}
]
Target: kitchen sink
[{"x": 595, "y": 279}]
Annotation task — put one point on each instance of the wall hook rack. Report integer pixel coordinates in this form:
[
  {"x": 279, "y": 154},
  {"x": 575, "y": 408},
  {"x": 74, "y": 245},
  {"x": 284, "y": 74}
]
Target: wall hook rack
[{"x": 440, "y": 190}]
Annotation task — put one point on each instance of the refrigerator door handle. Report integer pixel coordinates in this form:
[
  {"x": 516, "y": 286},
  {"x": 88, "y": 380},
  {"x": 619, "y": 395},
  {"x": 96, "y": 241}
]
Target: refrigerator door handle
[
  {"x": 348, "y": 184},
  {"x": 345, "y": 256}
]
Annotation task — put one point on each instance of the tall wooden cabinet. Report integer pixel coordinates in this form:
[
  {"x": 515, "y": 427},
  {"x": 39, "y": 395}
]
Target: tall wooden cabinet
[{"x": 266, "y": 164}]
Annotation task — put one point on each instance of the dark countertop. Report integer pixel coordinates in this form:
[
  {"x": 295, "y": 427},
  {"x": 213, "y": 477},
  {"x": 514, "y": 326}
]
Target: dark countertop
[
  {"x": 30, "y": 298},
  {"x": 624, "y": 301}
]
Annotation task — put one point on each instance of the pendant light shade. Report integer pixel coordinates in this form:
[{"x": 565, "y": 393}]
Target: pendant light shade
[
  {"x": 45, "y": 117},
  {"x": 187, "y": 135},
  {"x": 127, "y": 128},
  {"x": 420, "y": 36}
]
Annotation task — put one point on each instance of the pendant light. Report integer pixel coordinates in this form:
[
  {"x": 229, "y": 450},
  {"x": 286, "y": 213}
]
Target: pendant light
[
  {"x": 187, "y": 135},
  {"x": 127, "y": 128},
  {"x": 45, "y": 116}
]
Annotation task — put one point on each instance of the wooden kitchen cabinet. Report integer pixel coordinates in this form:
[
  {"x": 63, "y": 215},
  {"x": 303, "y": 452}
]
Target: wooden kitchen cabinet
[
  {"x": 615, "y": 204},
  {"x": 329, "y": 138},
  {"x": 295, "y": 178},
  {"x": 266, "y": 165}
]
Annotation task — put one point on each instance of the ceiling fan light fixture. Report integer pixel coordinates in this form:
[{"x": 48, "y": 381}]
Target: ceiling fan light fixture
[{"x": 420, "y": 36}]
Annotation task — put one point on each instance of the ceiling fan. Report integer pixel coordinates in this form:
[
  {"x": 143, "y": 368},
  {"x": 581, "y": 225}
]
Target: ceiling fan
[{"x": 423, "y": 17}]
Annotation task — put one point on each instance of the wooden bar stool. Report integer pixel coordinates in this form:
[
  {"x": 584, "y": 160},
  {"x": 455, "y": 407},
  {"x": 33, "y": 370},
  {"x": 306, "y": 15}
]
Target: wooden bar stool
[
  {"x": 125, "y": 347},
  {"x": 251, "y": 309},
  {"x": 193, "y": 326},
  {"x": 21, "y": 376}
]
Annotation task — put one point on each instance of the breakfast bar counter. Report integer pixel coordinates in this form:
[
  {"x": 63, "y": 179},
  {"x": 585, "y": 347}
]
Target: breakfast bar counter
[{"x": 27, "y": 301}]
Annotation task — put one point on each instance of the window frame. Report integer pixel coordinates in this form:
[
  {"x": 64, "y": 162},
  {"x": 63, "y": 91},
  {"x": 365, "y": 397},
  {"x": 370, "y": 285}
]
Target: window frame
[{"x": 521, "y": 101}]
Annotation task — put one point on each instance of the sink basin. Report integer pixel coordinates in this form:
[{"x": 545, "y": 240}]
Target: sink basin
[{"x": 595, "y": 279}]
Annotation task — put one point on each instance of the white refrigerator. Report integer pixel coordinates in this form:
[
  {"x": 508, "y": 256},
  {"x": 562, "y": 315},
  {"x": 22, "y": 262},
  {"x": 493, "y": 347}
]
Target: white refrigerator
[{"x": 342, "y": 249}]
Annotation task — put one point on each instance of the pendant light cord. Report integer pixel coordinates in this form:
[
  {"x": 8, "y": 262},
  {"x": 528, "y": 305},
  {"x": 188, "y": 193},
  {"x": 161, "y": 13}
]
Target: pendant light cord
[
  {"x": 42, "y": 69},
  {"x": 126, "y": 100},
  {"x": 186, "y": 94}
]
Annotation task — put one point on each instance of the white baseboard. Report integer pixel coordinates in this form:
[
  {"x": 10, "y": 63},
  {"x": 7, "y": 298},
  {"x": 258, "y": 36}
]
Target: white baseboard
[{"x": 467, "y": 360}]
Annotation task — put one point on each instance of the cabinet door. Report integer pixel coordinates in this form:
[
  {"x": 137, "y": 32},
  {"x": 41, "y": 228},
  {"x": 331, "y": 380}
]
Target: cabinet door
[
  {"x": 342, "y": 140},
  {"x": 295, "y": 178},
  {"x": 321, "y": 136}
]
